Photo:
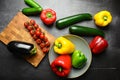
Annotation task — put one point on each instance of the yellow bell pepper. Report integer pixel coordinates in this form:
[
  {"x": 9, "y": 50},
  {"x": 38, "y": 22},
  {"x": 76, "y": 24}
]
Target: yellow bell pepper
[
  {"x": 63, "y": 46},
  {"x": 103, "y": 18}
]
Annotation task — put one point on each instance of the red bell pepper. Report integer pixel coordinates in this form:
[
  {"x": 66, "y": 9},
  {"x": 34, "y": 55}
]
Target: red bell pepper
[
  {"x": 98, "y": 44},
  {"x": 48, "y": 16},
  {"x": 62, "y": 65}
]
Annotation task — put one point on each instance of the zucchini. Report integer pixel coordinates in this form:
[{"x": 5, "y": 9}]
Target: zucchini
[
  {"x": 67, "y": 21},
  {"x": 32, "y": 3},
  {"x": 31, "y": 11},
  {"x": 87, "y": 31}
]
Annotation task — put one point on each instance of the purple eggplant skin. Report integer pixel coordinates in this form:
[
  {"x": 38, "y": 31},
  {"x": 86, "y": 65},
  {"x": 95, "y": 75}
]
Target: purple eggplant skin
[{"x": 21, "y": 48}]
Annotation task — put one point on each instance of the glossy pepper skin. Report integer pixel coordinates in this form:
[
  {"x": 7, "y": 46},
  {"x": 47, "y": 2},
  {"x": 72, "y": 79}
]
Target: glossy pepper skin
[
  {"x": 78, "y": 59},
  {"x": 63, "y": 46},
  {"x": 61, "y": 66},
  {"x": 98, "y": 44},
  {"x": 48, "y": 16},
  {"x": 103, "y": 18}
]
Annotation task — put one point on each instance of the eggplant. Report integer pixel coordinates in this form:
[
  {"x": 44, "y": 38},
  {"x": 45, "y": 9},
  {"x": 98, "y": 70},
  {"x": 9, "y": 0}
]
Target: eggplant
[{"x": 21, "y": 48}]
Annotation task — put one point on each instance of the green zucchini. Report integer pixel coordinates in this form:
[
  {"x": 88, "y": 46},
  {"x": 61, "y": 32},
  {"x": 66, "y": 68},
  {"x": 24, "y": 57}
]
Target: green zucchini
[
  {"x": 70, "y": 20},
  {"x": 87, "y": 31},
  {"x": 31, "y": 11},
  {"x": 32, "y": 3}
]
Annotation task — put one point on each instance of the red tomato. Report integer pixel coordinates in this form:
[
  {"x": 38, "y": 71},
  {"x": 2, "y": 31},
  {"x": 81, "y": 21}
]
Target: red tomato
[
  {"x": 38, "y": 29},
  {"x": 45, "y": 39},
  {"x": 32, "y": 32},
  {"x": 45, "y": 50},
  {"x": 36, "y": 26},
  {"x": 42, "y": 36},
  {"x": 38, "y": 41},
  {"x": 35, "y": 37},
  {"x": 30, "y": 28},
  {"x": 42, "y": 45},
  {"x": 32, "y": 22},
  {"x": 26, "y": 24},
  {"x": 37, "y": 33},
  {"x": 47, "y": 44}
]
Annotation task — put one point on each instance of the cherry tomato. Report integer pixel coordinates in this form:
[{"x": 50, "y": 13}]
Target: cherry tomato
[
  {"x": 42, "y": 36},
  {"x": 30, "y": 28},
  {"x": 35, "y": 37},
  {"x": 32, "y": 32},
  {"x": 45, "y": 39},
  {"x": 32, "y": 22},
  {"x": 45, "y": 50},
  {"x": 38, "y": 41},
  {"x": 47, "y": 44},
  {"x": 26, "y": 24},
  {"x": 37, "y": 33},
  {"x": 36, "y": 26},
  {"x": 42, "y": 45},
  {"x": 38, "y": 29}
]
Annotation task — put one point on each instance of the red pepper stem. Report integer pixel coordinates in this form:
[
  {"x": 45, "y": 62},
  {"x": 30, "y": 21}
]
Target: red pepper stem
[
  {"x": 60, "y": 69},
  {"x": 49, "y": 15}
]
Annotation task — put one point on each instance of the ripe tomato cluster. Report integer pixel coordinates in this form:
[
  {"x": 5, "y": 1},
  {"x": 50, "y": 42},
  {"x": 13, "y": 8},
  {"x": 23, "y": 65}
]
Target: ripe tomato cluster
[{"x": 38, "y": 35}]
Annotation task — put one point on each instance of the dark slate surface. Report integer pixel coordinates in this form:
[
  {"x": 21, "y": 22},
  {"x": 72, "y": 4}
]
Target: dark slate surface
[{"x": 103, "y": 67}]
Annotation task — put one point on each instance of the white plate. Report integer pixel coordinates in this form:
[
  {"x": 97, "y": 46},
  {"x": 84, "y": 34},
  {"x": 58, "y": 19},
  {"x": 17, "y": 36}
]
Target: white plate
[{"x": 80, "y": 44}]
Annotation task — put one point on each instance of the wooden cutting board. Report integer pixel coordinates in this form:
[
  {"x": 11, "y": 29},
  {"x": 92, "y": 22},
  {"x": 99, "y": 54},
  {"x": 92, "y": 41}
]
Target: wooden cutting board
[{"x": 15, "y": 30}]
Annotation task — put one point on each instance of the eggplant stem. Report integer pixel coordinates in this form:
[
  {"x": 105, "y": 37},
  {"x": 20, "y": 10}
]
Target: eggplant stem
[{"x": 33, "y": 51}]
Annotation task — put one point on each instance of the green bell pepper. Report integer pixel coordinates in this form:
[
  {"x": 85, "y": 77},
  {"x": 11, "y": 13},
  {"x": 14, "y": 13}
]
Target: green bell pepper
[{"x": 78, "y": 59}]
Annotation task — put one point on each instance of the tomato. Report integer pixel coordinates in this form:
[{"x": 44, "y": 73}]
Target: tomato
[
  {"x": 39, "y": 29},
  {"x": 42, "y": 45},
  {"x": 45, "y": 49},
  {"x": 32, "y": 32},
  {"x": 45, "y": 39},
  {"x": 36, "y": 26},
  {"x": 26, "y": 24},
  {"x": 35, "y": 37},
  {"x": 38, "y": 41},
  {"x": 47, "y": 44},
  {"x": 30, "y": 28},
  {"x": 42, "y": 36},
  {"x": 32, "y": 22},
  {"x": 37, "y": 33}
]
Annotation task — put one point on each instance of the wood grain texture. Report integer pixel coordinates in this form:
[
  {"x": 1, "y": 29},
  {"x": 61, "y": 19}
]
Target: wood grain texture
[{"x": 15, "y": 30}]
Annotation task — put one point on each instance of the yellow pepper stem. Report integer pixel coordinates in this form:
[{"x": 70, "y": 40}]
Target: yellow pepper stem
[
  {"x": 105, "y": 18},
  {"x": 59, "y": 45}
]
